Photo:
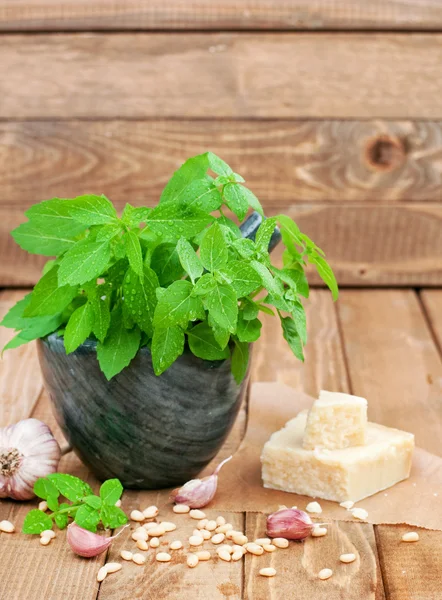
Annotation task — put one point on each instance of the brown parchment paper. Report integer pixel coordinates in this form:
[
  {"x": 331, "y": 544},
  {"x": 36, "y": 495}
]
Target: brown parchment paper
[{"x": 416, "y": 501}]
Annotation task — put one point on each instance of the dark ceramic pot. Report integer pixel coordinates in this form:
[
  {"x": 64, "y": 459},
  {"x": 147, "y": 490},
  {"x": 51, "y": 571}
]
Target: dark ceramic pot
[{"x": 148, "y": 431}]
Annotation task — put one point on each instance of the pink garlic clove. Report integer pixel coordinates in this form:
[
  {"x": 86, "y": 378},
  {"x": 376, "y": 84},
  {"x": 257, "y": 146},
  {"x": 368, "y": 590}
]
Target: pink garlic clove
[
  {"x": 86, "y": 543},
  {"x": 197, "y": 493},
  {"x": 289, "y": 523}
]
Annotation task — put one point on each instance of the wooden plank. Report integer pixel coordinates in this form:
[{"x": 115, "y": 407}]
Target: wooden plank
[
  {"x": 35, "y": 15},
  {"x": 234, "y": 75},
  {"x": 432, "y": 302},
  {"x": 298, "y": 567},
  {"x": 365, "y": 244},
  {"x": 393, "y": 362},
  {"x": 328, "y": 161}
]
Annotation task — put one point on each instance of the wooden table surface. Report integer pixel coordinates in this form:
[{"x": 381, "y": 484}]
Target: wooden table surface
[{"x": 382, "y": 344}]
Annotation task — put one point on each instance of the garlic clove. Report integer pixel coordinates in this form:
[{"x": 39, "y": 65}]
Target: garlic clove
[
  {"x": 197, "y": 493},
  {"x": 86, "y": 543},
  {"x": 289, "y": 523}
]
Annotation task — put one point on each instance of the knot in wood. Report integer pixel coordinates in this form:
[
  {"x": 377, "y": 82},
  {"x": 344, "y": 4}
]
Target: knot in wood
[{"x": 385, "y": 152}]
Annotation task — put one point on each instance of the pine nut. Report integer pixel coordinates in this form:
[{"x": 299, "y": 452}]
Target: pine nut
[
  {"x": 205, "y": 534},
  {"x": 48, "y": 533},
  {"x": 237, "y": 556},
  {"x": 168, "y": 526},
  {"x": 197, "y": 514},
  {"x": 347, "y": 558},
  {"x": 220, "y": 521},
  {"x": 237, "y": 548},
  {"x": 176, "y": 545},
  {"x": 231, "y": 532},
  {"x": 43, "y": 505},
  {"x": 102, "y": 574},
  {"x": 192, "y": 560},
  {"x": 150, "y": 512},
  {"x": 411, "y": 536},
  {"x": 267, "y": 572},
  {"x": 359, "y": 513},
  {"x": 181, "y": 509},
  {"x": 224, "y": 555},
  {"x": 224, "y": 528},
  {"x": 139, "y": 534},
  {"x": 7, "y": 527},
  {"x": 150, "y": 525},
  {"x": 319, "y": 531},
  {"x": 280, "y": 542},
  {"x": 347, "y": 504},
  {"x": 126, "y": 555},
  {"x": 137, "y": 515},
  {"x": 157, "y": 531},
  {"x": 325, "y": 574},
  {"x": 194, "y": 540},
  {"x": 163, "y": 557},
  {"x": 218, "y": 538},
  {"x": 269, "y": 547},
  {"x": 154, "y": 542},
  {"x": 118, "y": 503},
  {"x": 254, "y": 549},
  {"x": 314, "y": 508},
  {"x": 203, "y": 555},
  {"x": 225, "y": 547},
  {"x": 113, "y": 567},
  {"x": 262, "y": 541},
  {"x": 211, "y": 526},
  {"x": 294, "y": 507},
  {"x": 142, "y": 545},
  {"x": 239, "y": 539},
  {"x": 45, "y": 540},
  {"x": 202, "y": 523},
  {"x": 138, "y": 559}
]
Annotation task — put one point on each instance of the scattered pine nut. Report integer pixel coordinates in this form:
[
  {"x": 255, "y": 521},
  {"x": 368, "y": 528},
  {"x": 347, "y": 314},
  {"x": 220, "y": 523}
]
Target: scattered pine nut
[
  {"x": 224, "y": 528},
  {"x": 280, "y": 542},
  {"x": 7, "y": 527},
  {"x": 48, "y": 533},
  {"x": 239, "y": 539},
  {"x": 325, "y": 574},
  {"x": 225, "y": 547},
  {"x": 150, "y": 512},
  {"x": 267, "y": 572},
  {"x": 347, "y": 504},
  {"x": 137, "y": 515},
  {"x": 181, "y": 509},
  {"x": 220, "y": 521},
  {"x": 45, "y": 540},
  {"x": 43, "y": 505},
  {"x": 237, "y": 548},
  {"x": 150, "y": 525},
  {"x": 269, "y": 547},
  {"x": 168, "y": 526},
  {"x": 126, "y": 555},
  {"x": 142, "y": 545},
  {"x": 218, "y": 538},
  {"x": 314, "y": 508},
  {"x": 192, "y": 560},
  {"x": 359, "y": 513},
  {"x": 139, "y": 534},
  {"x": 138, "y": 559},
  {"x": 157, "y": 531},
  {"x": 202, "y": 523},
  {"x": 411, "y": 536},
  {"x": 176, "y": 545},
  {"x": 118, "y": 503},
  {"x": 113, "y": 567},
  {"x": 347, "y": 558},
  {"x": 194, "y": 540},
  {"x": 102, "y": 574},
  {"x": 237, "y": 556},
  {"x": 154, "y": 542},
  {"x": 262, "y": 541},
  {"x": 254, "y": 549},
  {"x": 224, "y": 555},
  {"x": 203, "y": 555},
  {"x": 211, "y": 526},
  {"x": 197, "y": 514},
  {"x": 163, "y": 557},
  {"x": 205, "y": 534},
  {"x": 319, "y": 531}
]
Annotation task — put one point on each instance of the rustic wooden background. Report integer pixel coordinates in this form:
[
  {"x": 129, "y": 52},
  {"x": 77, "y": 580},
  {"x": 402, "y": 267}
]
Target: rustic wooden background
[{"x": 331, "y": 110}]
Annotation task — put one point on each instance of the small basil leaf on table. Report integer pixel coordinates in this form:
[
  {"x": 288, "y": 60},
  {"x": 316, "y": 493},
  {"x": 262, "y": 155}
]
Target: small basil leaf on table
[
  {"x": 61, "y": 520},
  {"x": 87, "y": 517},
  {"x": 93, "y": 501},
  {"x": 112, "y": 517},
  {"x": 110, "y": 491},
  {"x": 43, "y": 488},
  {"x": 72, "y": 488},
  {"x": 36, "y": 521}
]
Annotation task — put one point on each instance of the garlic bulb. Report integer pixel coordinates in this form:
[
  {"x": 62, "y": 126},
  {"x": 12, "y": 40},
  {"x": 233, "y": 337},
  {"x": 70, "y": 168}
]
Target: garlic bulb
[
  {"x": 28, "y": 450},
  {"x": 86, "y": 543},
  {"x": 197, "y": 493},
  {"x": 289, "y": 523}
]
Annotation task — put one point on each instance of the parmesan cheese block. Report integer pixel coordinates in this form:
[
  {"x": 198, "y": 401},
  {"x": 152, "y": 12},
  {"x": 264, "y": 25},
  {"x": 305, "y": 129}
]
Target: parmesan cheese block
[
  {"x": 345, "y": 474},
  {"x": 336, "y": 421}
]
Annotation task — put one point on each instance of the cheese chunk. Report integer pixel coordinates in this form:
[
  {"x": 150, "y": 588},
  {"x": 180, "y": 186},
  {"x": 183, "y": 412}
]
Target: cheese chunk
[
  {"x": 336, "y": 421},
  {"x": 346, "y": 474}
]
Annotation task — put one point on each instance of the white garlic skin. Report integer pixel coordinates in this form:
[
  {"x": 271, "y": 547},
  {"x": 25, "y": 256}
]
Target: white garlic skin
[{"x": 28, "y": 450}]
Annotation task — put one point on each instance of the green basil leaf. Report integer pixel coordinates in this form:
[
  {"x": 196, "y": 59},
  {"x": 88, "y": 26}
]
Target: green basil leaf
[
  {"x": 101, "y": 317},
  {"x": 172, "y": 221},
  {"x": 166, "y": 263},
  {"x": 222, "y": 304},
  {"x": 36, "y": 521},
  {"x": 87, "y": 517},
  {"x": 78, "y": 327},
  {"x": 189, "y": 259},
  {"x": 111, "y": 491},
  {"x": 133, "y": 252},
  {"x": 240, "y": 361},
  {"x": 292, "y": 337},
  {"x": 177, "y": 306},
  {"x": 140, "y": 297},
  {"x": 218, "y": 166},
  {"x": 93, "y": 501},
  {"x": 213, "y": 249},
  {"x": 264, "y": 235},
  {"x": 194, "y": 168},
  {"x": 167, "y": 346},
  {"x": 326, "y": 274},
  {"x": 112, "y": 517},
  {"x": 119, "y": 347},
  {"x": 48, "y": 297},
  {"x": 204, "y": 285},
  {"x": 242, "y": 277},
  {"x": 61, "y": 520},
  {"x": 84, "y": 262},
  {"x": 236, "y": 199},
  {"x": 72, "y": 488},
  {"x": 43, "y": 488},
  {"x": 203, "y": 344},
  {"x": 52, "y": 502},
  {"x": 92, "y": 210},
  {"x": 248, "y": 330}
]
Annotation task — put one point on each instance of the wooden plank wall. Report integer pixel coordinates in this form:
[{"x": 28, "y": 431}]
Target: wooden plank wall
[{"x": 340, "y": 128}]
